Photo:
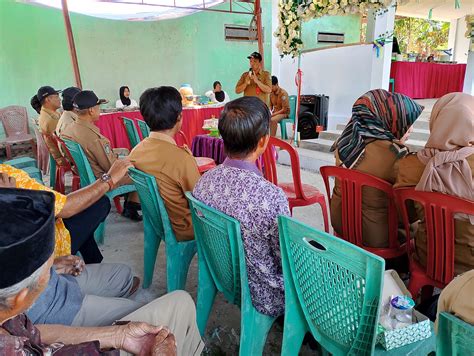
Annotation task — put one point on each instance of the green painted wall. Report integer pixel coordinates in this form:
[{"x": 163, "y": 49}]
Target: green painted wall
[
  {"x": 349, "y": 25},
  {"x": 191, "y": 49}
]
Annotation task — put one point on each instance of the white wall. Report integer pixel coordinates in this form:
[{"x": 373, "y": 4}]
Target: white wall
[
  {"x": 469, "y": 78},
  {"x": 461, "y": 46}
]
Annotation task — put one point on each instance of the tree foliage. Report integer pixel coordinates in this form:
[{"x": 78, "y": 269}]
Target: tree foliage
[{"x": 421, "y": 36}]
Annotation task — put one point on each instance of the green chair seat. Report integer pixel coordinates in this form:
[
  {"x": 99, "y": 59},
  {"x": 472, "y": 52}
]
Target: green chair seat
[
  {"x": 157, "y": 228},
  {"x": 143, "y": 128},
  {"x": 132, "y": 131},
  {"x": 222, "y": 267},
  {"x": 455, "y": 336}
]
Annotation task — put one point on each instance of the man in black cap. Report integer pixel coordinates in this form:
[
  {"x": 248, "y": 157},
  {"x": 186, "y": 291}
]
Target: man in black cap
[
  {"x": 69, "y": 115},
  {"x": 49, "y": 118},
  {"x": 256, "y": 82},
  {"x": 97, "y": 147},
  {"x": 27, "y": 241}
]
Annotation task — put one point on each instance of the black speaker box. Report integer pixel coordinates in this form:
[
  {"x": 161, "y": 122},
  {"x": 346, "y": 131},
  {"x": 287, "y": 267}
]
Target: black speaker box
[{"x": 313, "y": 112}]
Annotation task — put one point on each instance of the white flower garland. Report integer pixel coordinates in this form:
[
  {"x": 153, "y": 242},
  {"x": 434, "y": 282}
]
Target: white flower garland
[{"x": 290, "y": 14}]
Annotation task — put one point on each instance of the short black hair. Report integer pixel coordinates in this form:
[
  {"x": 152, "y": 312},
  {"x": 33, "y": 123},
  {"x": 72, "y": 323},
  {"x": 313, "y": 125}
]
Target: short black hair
[
  {"x": 242, "y": 124},
  {"x": 216, "y": 83},
  {"x": 274, "y": 80},
  {"x": 35, "y": 103},
  {"x": 160, "y": 107}
]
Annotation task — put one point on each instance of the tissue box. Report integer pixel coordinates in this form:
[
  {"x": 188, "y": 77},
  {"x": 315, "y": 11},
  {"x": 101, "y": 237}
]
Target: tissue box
[{"x": 420, "y": 330}]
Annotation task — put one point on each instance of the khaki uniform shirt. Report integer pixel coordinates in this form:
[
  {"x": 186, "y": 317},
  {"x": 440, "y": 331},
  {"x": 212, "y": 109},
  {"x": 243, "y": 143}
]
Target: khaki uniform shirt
[
  {"x": 458, "y": 298},
  {"x": 409, "y": 174},
  {"x": 176, "y": 172},
  {"x": 380, "y": 162},
  {"x": 253, "y": 90},
  {"x": 280, "y": 100},
  {"x": 47, "y": 121},
  {"x": 96, "y": 146},
  {"x": 67, "y": 118}
]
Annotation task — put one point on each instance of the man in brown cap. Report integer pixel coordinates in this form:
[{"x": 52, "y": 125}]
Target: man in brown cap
[{"x": 256, "y": 82}]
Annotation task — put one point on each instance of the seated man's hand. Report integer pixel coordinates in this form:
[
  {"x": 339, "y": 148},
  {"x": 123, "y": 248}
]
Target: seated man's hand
[
  {"x": 6, "y": 181},
  {"x": 165, "y": 344},
  {"x": 142, "y": 339},
  {"x": 119, "y": 169},
  {"x": 72, "y": 265}
]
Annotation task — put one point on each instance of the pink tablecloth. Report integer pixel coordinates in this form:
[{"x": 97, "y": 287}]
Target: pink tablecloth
[
  {"x": 427, "y": 80},
  {"x": 111, "y": 125}
]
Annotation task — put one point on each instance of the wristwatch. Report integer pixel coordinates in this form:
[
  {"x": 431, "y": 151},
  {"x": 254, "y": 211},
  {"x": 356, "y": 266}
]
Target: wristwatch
[{"x": 107, "y": 178}]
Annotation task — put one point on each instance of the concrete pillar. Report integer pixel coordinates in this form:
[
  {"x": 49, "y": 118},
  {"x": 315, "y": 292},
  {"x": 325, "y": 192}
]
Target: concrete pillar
[
  {"x": 377, "y": 26},
  {"x": 453, "y": 25},
  {"x": 469, "y": 78}
]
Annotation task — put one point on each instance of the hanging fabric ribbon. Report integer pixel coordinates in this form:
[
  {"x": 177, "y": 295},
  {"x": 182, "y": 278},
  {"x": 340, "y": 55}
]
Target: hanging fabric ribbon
[
  {"x": 457, "y": 4},
  {"x": 430, "y": 14}
]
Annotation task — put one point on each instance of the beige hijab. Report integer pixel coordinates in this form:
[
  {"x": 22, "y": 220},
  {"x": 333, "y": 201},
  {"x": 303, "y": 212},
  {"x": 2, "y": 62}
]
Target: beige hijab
[{"x": 451, "y": 142}]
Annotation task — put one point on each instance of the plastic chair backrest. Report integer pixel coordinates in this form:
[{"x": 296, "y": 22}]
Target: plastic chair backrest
[
  {"x": 351, "y": 184},
  {"x": 292, "y": 100},
  {"x": 338, "y": 286},
  {"x": 439, "y": 221},
  {"x": 455, "y": 336},
  {"x": 270, "y": 168},
  {"x": 66, "y": 153},
  {"x": 132, "y": 131},
  {"x": 219, "y": 243},
  {"x": 15, "y": 120},
  {"x": 181, "y": 139},
  {"x": 82, "y": 163},
  {"x": 143, "y": 128},
  {"x": 153, "y": 205}
]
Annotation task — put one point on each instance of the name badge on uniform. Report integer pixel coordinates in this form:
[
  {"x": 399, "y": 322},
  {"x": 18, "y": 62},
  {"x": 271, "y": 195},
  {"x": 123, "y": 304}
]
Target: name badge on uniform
[{"x": 107, "y": 148}]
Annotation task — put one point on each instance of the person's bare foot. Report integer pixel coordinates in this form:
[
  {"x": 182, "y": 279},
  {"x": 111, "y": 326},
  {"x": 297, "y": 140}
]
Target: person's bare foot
[{"x": 165, "y": 344}]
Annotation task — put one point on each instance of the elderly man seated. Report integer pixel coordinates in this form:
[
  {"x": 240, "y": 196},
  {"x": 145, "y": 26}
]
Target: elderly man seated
[{"x": 26, "y": 255}]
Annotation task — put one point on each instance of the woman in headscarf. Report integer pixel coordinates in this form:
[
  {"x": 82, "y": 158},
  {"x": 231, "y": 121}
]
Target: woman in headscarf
[
  {"x": 446, "y": 165},
  {"x": 372, "y": 143},
  {"x": 125, "y": 101}
]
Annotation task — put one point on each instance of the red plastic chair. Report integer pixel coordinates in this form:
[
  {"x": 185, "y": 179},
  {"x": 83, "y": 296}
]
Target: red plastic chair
[
  {"x": 298, "y": 194},
  {"x": 351, "y": 183},
  {"x": 15, "y": 123},
  {"x": 204, "y": 163},
  {"x": 439, "y": 222},
  {"x": 64, "y": 168}
]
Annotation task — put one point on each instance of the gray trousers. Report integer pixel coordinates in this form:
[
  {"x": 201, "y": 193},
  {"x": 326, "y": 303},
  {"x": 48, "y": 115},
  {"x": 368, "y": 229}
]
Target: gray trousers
[{"x": 105, "y": 286}]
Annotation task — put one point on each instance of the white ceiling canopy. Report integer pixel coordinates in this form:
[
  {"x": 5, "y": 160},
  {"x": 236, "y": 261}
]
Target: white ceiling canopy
[
  {"x": 442, "y": 10},
  {"x": 131, "y": 10}
]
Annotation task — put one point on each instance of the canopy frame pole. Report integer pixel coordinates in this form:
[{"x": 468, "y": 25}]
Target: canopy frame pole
[
  {"x": 71, "y": 44},
  {"x": 258, "y": 15}
]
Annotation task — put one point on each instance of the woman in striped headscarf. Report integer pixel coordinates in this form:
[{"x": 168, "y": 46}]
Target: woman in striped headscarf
[{"x": 372, "y": 143}]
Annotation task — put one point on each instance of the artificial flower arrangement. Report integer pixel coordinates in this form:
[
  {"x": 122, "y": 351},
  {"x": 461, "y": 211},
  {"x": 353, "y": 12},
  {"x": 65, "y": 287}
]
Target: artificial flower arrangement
[{"x": 292, "y": 12}]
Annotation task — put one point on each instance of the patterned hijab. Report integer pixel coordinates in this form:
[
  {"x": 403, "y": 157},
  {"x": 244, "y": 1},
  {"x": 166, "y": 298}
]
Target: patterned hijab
[{"x": 376, "y": 115}]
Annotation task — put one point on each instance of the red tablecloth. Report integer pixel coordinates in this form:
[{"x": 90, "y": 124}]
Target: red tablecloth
[
  {"x": 193, "y": 119},
  {"x": 427, "y": 80}
]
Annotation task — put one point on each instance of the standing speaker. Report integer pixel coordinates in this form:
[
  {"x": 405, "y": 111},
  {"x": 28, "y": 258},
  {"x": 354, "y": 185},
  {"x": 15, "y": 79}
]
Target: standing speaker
[{"x": 313, "y": 112}]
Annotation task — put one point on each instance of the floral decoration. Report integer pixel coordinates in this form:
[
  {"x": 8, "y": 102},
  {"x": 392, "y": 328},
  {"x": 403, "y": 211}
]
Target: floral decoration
[{"x": 292, "y": 13}]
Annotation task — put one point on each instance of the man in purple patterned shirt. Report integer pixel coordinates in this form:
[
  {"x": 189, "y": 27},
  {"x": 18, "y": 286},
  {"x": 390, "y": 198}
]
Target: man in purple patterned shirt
[{"x": 238, "y": 189}]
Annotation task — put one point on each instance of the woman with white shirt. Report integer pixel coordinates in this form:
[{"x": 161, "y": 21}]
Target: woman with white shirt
[
  {"x": 125, "y": 102},
  {"x": 218, "y": 95}
]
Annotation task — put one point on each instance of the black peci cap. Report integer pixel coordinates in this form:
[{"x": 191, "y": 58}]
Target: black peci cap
[
  {"x": 27, "y": 233},
  {"x": 87, "y": 99},
  {"x": 45, "y": 91}
]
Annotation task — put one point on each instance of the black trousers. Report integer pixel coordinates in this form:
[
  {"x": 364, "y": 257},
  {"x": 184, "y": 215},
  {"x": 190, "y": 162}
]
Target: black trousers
[{"x": 82, "y": 226}]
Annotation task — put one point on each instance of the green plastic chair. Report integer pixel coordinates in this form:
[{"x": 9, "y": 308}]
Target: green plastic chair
[
  {"x": 132, "y": 131},
  {"x": 291, "y": 117},
  {"x": 87, "y": 177},
  {"x": 52, "y": 172},
  {"x": 28, "y": 165},
  {"x": 455, "y": 336},
  {"x": 222, "y": 267},
  {"x": 392, "y": 82},
  {"x": 143, "y": 128},
  {"x": 333, "y": 289},
  {"x": 157, "y": 227}
]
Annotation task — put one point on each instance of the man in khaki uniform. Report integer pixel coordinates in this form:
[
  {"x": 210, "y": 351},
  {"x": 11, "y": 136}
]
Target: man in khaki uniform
[
  {"x": 458, "y": 298},
  {"x": 279, "y": 105},
  {"x": 49, "y": 118},
  {"x": 255, "y": 82},
  {"x": 97, "y": 147},
  {"x": 69, "y": 115},
  {"x": 174, "y": 167}
]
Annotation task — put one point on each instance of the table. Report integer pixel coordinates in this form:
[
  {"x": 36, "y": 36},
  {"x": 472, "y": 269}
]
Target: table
[
  {"x": 111, "y": 126},
  {"x": 421, "y": 80},
  {"x": 207, "y": 146}
]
